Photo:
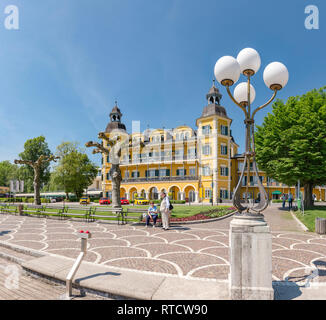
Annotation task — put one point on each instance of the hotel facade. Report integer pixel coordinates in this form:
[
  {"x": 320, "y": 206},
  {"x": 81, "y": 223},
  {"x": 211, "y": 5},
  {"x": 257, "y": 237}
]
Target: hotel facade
[{"x": 199, "y": 166}]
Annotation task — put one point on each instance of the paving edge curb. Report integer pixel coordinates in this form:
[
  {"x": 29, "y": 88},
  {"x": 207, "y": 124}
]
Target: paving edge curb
[
  {"x": 24, "y": 250},
  {"x": 304, "y": 228}
]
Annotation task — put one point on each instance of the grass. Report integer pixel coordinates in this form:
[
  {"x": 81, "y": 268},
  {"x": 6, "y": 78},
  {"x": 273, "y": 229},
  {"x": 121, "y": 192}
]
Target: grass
[
  {"x": 309, "y": 216},
  {"x": 180, "y": 211}
]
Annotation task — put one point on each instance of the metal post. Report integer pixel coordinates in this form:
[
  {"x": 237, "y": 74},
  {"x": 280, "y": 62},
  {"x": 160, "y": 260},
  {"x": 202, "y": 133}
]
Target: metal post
[{"x": 84, "y": 236}]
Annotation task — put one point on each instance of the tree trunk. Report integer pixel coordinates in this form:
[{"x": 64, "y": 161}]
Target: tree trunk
[
  {"x": 116, "y": 180},
  {"x": 308, "y": 201},
  {"x": 37, "y": 197}
]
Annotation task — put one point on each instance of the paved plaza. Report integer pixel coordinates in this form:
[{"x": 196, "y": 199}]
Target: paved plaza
[{"x": 188, "y": 251}]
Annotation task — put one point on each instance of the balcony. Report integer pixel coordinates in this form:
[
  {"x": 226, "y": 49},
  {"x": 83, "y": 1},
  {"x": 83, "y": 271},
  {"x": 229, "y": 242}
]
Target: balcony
[
  {"x": 149, "y": 160},
  {"x": 149, "y": 179}
]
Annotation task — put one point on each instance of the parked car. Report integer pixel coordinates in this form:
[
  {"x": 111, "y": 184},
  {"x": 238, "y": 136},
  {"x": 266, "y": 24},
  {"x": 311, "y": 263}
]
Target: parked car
[
  {"x": 84, "y": 200},
  {"x": 124, "y": 201},
  {"x": 104, "y": 201},
  {"x": 141, "y": 201}
]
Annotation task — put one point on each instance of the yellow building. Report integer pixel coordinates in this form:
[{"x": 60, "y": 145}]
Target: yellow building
[{"x": 201, "y": 165}]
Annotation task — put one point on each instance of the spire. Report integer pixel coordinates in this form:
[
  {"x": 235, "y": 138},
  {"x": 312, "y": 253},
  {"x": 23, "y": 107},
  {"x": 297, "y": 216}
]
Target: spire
[
  {"x": 115, "y": 119},
  {"x": 213, "y": 96}
]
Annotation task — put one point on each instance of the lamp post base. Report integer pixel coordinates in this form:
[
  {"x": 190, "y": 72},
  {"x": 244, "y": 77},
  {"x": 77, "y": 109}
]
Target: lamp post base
[{"x": 250, "y": 258}]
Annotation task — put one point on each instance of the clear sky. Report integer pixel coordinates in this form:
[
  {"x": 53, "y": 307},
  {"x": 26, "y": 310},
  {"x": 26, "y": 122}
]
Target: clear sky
[{"x": 61, "y": 72}]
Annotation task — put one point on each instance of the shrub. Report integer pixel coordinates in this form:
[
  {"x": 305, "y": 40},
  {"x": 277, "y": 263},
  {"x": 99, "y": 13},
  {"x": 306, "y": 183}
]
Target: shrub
[{"x": 96, "y": 201}]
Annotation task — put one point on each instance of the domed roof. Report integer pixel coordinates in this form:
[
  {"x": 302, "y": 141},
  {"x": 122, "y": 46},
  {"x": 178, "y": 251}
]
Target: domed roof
[
  {"x": 115, "y": 120},
  {"x": 214, "y": 109}
]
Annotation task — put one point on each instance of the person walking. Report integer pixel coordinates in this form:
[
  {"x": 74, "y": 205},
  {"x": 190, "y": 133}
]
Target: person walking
[
  {"x": 290, "y": 199},
  {"x": 165, "y": 211},
  {"x": 283, "y": 198}
]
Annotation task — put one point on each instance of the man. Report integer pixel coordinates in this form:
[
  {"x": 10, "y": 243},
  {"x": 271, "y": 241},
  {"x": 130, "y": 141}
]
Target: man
[
  {"x": 165, "y": 212},
  {"x": 290, "y": 199}
]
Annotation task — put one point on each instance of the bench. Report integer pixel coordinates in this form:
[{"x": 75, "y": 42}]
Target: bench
[
  {"x": 84, "y": 212},
  {"x": 108, "y": 213},
  {"x": 141, "y": 211},
  {"x": 6, "y": 208},
  {"x": 33, "y": 209}
]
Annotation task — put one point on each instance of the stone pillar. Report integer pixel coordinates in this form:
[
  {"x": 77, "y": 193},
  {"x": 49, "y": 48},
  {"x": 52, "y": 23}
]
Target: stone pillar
[
  {"x": 127, "y": 195},
  {"x": 196, "y": 196},
  {"x": 182, "y": 195},
  {"x": 250, "y": 259},
  {"x": 147, "y": 195}
]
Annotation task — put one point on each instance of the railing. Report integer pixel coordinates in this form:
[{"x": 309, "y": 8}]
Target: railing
[
  {"x": 174, "y": 178},
  {"x": 158, "y": 159}
]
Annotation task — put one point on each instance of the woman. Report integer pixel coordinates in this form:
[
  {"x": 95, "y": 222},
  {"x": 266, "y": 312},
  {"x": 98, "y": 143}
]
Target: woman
[
  {"x": 165, "y": 211},
  {"x": 151, "y": 214}
]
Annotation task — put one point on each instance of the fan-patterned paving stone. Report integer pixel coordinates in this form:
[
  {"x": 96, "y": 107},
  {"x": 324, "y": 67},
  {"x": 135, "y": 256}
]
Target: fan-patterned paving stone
[
  {"x": 196, "y": 245},
  {"x": 29, "y": 231},
  {"x": 60, "y": 236},
  {"x": 32, "y": 236},
  {"x": 142, "y": 239},
  {"x": 312, "y": 247},
  {"x": 223, "y": 240},
  {"x": 144, "y": 264},
  {"x": 204, "y": 233},
  {"x": 295, "y": 236},
  {"x": 73, "y": 253},
  {"x": 298, "y": 255},
  {"x": 36, "y": 245},
  {"x": 213, "y": 272},
  {"x": 118, "y": 252},
  {"x": 285, "y": 242},
  {"x": 93, "y": 243},
  {"x": 102, "y": 235},
  {"x": 60, "y": 244},
  {"x": 173, "y": 236},
  {"x": 280, "y": 266},
  {"x": 57, "y": 225},
  {"x": 124, "y": 233},
  {"x": 218, "y": 251},
  {"x": 160, "y": 248},
  {"x": 59, "y": 230},
  {"x": 318, "y": 241},
  {"x": 277, "y": 246},
  {"x": 189, "y": 261}
]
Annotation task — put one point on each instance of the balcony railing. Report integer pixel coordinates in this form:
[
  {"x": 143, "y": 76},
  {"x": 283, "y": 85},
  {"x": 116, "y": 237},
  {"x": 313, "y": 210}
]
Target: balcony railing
[
  {"x": 173, "y": 178},
  {"x": 158, "y": 159}
]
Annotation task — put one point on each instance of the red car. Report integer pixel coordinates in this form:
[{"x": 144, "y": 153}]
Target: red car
[
  {"x": 124, "y": 201},
  {"x": 104, "y": 201}
]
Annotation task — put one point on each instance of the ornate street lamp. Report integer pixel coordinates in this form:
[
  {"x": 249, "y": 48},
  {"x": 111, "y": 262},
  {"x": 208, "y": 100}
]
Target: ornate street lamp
[
  {"x": 250, "y": 237},
  {"x": 227, "y": 72}
]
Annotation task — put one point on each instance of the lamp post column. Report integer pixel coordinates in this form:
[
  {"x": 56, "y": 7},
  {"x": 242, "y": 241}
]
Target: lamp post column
[{"x": 250, "y": 237}]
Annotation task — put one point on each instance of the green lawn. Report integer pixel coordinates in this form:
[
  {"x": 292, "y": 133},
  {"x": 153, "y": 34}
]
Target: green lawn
[
  {"x": 309, "y": 216},
  {"x": 179, "y": 211}
]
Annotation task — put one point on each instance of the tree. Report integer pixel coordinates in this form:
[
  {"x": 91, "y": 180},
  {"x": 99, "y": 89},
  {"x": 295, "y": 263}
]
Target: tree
[
  {"x": 74, "y": 172},
  {"x": 115, "y": 142},
  {"x": 291, "y": 142},
  {"x": 8, "y": 171},
  {"x": 36, "y": 159}
]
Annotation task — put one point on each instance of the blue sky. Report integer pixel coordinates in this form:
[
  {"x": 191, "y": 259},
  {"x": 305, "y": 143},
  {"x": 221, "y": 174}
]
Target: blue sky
[{"x": 61, "y": 72}]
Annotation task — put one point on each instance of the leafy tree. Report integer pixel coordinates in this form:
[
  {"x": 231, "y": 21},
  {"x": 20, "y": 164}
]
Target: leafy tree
[
  {"x": 75, "y": 172},
  {"x": 291, "y": 143},
  {"x": 33, "y": 149},
  {"x": 8, "y": 171}
]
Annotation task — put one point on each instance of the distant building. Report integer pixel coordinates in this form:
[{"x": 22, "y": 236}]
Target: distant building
[{"x": 199, "y": 165}]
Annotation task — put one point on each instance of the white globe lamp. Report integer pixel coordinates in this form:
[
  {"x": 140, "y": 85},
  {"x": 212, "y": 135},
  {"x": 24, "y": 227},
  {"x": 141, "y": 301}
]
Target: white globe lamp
[
  {"x": 249, "y": 60},
  {"x": 276, "y": 76},
  {"x": 241, "y": 93},
  {"x": 227, "y": 70}
]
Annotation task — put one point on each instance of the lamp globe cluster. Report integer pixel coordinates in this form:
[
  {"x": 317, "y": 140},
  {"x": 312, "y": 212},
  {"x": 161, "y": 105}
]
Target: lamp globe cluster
[{"x": 228, "y": 69}]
